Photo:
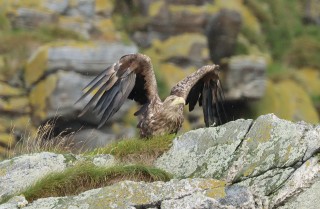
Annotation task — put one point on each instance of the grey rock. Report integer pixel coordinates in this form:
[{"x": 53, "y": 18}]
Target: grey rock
[
  {"x": 90, "y": 59},
  {"x": 21, "y": 172},
  {"x": 222, "y": 31},
  {"x": 30, "y": 18},
  {"x": 309, "y": 199},
  {"x": 276, "y": 159},
  {"x": 58, "y": 6},
  {"x": 245, "y": 77},
  {"x": 205, "y": 152},
  {"x": 104, "y": 160},
  {"x": 15, "y": 202},
  {"x": 186, "y": 193}
]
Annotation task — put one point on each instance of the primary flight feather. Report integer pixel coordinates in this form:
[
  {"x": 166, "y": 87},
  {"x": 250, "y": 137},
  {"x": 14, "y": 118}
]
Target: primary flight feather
[{"x": 132, "y": 77}]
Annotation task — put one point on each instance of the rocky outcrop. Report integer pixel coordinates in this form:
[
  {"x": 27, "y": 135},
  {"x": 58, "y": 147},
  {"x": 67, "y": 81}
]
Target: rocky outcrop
[
  {"x": 266, "y": 163},
  {"x": 275, "y": 158}
]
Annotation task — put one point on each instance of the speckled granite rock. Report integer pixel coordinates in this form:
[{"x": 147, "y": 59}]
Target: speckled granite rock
[
  {"x": 186, "y": 193},
  {"x": 275, "y": 158}
]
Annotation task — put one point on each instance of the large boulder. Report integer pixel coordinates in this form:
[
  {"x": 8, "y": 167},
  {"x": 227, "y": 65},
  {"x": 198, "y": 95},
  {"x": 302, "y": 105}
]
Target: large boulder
[{"x": 275, "y": 158}]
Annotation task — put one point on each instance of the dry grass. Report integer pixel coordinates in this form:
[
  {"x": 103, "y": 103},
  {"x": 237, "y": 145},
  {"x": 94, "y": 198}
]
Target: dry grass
[{"x": 42, "y": 140}]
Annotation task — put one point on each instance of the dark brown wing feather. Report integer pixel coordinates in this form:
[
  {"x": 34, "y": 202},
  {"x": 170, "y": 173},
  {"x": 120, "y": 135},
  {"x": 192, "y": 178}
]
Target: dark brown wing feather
[
  {"x": 204, "y": 87},
  {"x": 131, "y": 77}
]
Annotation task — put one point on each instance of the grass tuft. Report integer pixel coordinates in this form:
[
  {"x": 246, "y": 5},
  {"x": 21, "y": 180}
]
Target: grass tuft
[
  {"x": 42, "y": 140},
  {"x": 84, "y": 177},
  {"x": 138, "y": 150}
]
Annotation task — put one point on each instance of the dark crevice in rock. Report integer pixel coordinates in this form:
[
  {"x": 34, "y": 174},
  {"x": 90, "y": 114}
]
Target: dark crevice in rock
[
  {"x": 244, "y": 138},
  {"x": 50, "y": 72},
  {"x": 150, "y": 205}
]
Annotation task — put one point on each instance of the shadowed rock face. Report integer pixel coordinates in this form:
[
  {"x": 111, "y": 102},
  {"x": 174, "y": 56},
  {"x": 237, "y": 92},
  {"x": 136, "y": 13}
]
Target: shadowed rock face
[
  {"x": 222, "y": 32},
  {"x": 266, "y": 163}
]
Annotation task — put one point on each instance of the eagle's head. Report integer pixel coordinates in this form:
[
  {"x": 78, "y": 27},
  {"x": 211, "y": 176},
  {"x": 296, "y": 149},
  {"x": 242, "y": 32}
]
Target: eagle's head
[{"x": 174, "y": 103}]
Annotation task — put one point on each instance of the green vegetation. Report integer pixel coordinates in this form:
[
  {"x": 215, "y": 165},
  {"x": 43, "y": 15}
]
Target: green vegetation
[
  {"x": 137, "y": 150},
  {"x": 83, "y": 177}
]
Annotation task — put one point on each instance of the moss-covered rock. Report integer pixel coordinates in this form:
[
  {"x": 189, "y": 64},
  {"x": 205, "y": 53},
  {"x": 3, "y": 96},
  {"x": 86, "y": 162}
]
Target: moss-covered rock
[
  {"x": 39, "y": 97},
  {"x": 189, "y": 46},
  {"x": 288, "y": 100}
]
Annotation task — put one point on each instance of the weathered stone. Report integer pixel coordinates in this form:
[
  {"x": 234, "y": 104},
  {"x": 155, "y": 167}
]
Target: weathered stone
[
  {"x": 77, "y": 24},
  {"x": 307, "y": 179},
  {"x": 279, "y": 93},
  {"x": 183, "y": 50},
  {"x": 21, "y": 172},
  {"x": 15, "y": 202},
  {"x": 187, "y": 193},
  {"x": 59, "y": 6},
  {"x": 222, "y": 32},
  {"x": 273, "y": 157},
  {"x": 205, "y": 152},
  {"x": 89, "y": 58},
  {"x": 31, "y": 18},
  {"x": 245, "y": 77}
]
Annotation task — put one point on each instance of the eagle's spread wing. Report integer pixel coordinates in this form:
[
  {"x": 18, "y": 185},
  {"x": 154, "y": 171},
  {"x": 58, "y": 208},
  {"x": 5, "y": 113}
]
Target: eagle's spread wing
[
  {"x": 203, "y": 86},
  {"x": 131, "y": 77}
]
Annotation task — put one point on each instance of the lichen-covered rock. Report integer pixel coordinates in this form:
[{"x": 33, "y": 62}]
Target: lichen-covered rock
[
  {"x": 21, "y": 172},
  {"x": 186, "y": 49},
  {"x": 279, "y": 93},
  {"x": 273, "y": 157},
  {"x": 187, "y": 193},
  {"x": 205, "y": 152},
  {"x": 30, "y": 18},
  {"x": 80, "y": 57}
]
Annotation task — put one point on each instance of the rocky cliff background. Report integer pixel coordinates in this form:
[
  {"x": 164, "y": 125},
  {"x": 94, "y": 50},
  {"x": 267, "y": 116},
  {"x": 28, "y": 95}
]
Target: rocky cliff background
[{"x": 269, "y": 52}]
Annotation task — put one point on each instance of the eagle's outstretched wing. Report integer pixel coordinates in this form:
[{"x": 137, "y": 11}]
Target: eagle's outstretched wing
[
  {"x": 203, "y": 86},
  {"x": 131, "y": 77}
]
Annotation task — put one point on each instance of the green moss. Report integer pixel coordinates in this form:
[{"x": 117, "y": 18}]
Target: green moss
[
  {"x": 280, "y": 100},
  {"x": 304, "y": 52},
  {"x": 83, "y": 177}
]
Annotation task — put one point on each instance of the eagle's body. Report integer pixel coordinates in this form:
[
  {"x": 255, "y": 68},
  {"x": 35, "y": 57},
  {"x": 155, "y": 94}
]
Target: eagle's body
[{"x": 132, "y": 77}]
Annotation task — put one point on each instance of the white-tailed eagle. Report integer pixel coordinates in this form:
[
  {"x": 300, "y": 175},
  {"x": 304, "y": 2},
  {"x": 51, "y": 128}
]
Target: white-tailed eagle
[{"x": 132, "y": 77}]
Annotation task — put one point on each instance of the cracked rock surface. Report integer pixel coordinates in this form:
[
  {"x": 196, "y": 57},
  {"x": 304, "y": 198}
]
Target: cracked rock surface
[
  {"x": 275, "y": 158},
  {"x": 266, "y": 163}
]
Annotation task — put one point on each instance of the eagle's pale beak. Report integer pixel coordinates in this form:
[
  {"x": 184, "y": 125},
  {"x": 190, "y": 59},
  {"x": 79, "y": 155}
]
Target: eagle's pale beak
[{"x": 178, "y": 100}]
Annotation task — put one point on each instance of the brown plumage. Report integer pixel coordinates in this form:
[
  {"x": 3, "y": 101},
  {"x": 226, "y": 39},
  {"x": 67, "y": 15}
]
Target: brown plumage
[{"x": 132, "y": 77}]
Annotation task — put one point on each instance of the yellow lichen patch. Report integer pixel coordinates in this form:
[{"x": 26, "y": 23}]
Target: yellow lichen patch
[
  {"x": 7, "y": 139},
  {"x": 39, "y": 95},
  {"x": 108, "y": 29},
  {"x": 36, "y": 65},
  {"x": 173, "y": 74},
  {"x": 15, "y": 104},
  {"x": 212, "y": 184},
  {"x": 11, "y": 5},
  {"x": 287, "y": 100},
  {"x": 104, "y": 5},
  {"x": 155, "y": 7},
  {"x": 177, "y": 46},
  {"x": 63, "y": 20},
  {"x": 216, "y": 193},
  {"x": 309, "y": 79},
  {"x": 249, "y": 170},
  {"x": 7, "y": 90}
]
